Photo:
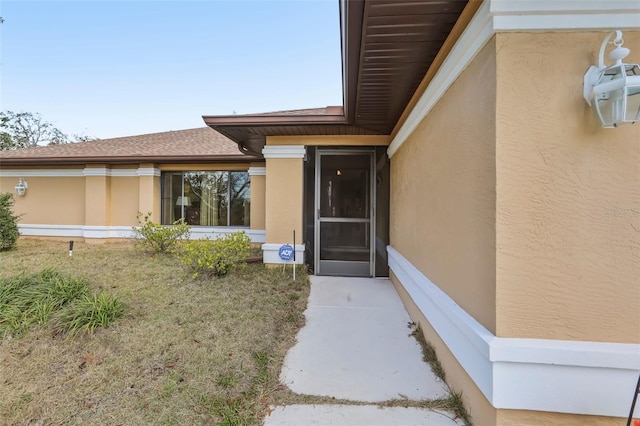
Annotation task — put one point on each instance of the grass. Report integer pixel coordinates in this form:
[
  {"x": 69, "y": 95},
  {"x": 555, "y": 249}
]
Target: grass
[{"x": 185, "y": 351}]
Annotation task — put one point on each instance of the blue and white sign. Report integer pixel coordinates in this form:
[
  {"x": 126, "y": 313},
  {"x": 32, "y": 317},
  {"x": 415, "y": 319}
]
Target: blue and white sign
[{"x": 286, "y": 252}]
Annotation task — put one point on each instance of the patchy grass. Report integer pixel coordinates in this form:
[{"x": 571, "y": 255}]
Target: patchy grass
[
  {"x": 184, "y": 351},
  {"x": 454, "y": 403}
]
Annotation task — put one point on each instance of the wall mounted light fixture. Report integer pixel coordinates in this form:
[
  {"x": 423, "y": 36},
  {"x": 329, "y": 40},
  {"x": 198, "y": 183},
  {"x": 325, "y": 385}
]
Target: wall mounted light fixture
[
  {"x": 21, "y": 187},
  {"x": 613, "y": 92}
]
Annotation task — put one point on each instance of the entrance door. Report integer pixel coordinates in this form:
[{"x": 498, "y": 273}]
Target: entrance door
[{"x": 344, "y": 213}]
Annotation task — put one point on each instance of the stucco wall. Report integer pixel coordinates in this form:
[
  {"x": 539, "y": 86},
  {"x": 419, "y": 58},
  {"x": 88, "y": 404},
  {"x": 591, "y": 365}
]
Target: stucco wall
[
  {"x": 443, "y": 192},
  {"x": 537, "y": 418},
  {"x": 124, "y": 201},
  {"x": 283, "y": 199},
  {"x": 258, "y": 194},
  {"x": 57, "y": 200},
  {"x": 568, "y": 196}
]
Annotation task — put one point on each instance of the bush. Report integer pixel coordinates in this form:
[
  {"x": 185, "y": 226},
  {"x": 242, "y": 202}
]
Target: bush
[
  {"x": 160, "y": 238},
  {"x": 88, "y": 313},
  {"x": 8, "y": 223},
  {"x": 217, "y": 257}
]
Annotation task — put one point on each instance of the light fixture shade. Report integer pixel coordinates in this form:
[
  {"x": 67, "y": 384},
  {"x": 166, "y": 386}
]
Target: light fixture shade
[
  {"x": 183, "y": 201},
  {"x": 21, "y": 187},
  {"x": 613, "y": 92}
]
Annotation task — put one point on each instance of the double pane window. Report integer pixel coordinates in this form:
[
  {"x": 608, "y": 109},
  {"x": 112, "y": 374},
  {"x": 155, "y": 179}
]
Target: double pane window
[{"x": 206, "y": 198}]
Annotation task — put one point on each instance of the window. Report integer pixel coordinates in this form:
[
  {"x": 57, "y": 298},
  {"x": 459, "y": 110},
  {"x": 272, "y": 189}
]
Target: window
[{"x": 219, "y": 198}]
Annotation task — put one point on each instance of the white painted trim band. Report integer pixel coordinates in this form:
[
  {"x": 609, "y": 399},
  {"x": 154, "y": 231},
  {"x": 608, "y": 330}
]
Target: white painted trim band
[
  {"x": 78, "y": 231},
  {"x": 148, "y": 171},
  {"x": 88, "y": 171},
  {"x": 82, "y": 231},
  {"x": 199, "y": 232},
  {"x": 284, "y": 151},
  {"x": 257, "y": 171},
  {"x": 574, "y": 377},
  {"x": 41, "y": 173},
  {"x": 515, "y": 15}
]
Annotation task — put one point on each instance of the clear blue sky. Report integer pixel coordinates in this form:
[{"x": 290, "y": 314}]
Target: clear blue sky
[{"x": 119, "y": 68}]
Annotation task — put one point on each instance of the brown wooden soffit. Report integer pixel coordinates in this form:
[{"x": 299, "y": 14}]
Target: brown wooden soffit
[{"x": 387, "y": 48}]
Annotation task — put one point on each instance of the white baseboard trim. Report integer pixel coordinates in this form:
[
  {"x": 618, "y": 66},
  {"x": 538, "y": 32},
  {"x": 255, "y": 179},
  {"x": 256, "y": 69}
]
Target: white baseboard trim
[
  {"x": 77, "y": 231},
  {"x": 270, "y": 254},
  {"x": 575, "y": 377},
  {"x": 81, "y": 231},
  {"x": 199, "y": 232}
]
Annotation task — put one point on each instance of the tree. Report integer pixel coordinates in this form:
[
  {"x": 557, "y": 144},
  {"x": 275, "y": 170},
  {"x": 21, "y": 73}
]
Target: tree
[{"x": 26, "y": 129}]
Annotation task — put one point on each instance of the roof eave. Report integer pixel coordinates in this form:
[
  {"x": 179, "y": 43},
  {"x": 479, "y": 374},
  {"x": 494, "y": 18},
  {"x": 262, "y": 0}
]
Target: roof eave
[{"x": 30, "y": 161}]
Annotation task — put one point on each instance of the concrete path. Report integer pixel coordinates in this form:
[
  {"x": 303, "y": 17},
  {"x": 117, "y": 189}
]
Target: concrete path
[{"x": 356, "y": 345}]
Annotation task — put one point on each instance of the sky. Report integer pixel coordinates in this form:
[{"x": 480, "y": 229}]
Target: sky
[{"x": 118, "y": 68}]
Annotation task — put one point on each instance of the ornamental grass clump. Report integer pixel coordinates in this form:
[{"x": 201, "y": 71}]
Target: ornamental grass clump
[
  {"x": 28, "y": 300},
  {"x": 216, "y": 257},
  {"x": 88, "y": 313},
  {"x": 49, "y": 295},
  {"x": 160, "y": 238}
]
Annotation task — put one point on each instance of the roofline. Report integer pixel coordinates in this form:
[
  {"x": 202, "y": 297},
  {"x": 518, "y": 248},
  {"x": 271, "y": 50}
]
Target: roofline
[
  {"x": 351, "y": 16},
  {"x": 272, "y": 119},
  {"x": 30, "y": 161}
]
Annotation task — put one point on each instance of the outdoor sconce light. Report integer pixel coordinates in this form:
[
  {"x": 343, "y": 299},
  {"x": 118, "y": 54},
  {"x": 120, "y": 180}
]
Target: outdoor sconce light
[
  {"x": 21, "y": 187},
  {"x": 614, "y": 91}
]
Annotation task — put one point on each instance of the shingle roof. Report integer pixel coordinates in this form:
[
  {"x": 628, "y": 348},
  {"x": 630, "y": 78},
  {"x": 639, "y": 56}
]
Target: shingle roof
[{"x": 198, "y": 144}]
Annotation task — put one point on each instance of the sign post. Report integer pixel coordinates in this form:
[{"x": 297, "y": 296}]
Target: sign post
[{"x": 287, "y": 253}]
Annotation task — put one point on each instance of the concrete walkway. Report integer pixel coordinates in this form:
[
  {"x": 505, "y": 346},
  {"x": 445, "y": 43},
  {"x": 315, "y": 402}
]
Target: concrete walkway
[{"x": 356, "y": 346}]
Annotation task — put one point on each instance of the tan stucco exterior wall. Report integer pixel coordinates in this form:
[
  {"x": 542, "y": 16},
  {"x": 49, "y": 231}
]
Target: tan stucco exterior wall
[
  {"x": 568, "y": 198},
  {"x": 443, "y": 192},
  {"x": 537, "y": 418},
  {"x": 283, "y": 204},
  {"x": 97, "y": 200},
  {"x": 124, "y": 201},
  {"x": 59, "y": 200},
  {"x": 258, "y": 199}
]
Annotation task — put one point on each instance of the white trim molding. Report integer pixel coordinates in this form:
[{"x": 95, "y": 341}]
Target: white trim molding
[
  {"x": 41, "y": 173},
  {"x": 96, "y": 171},
  {"x": 270, "y": 254},
  {"x": 148, "y": 171},
  {"x": 257, "y": 171},
  {"x": 199, "y": 232},
  {"x": 82, "y": 231},
  {"x": 576, "y": 377},
  {"x": 77, "y": 231},
  {"x": 284, "y": 151},
  {"x": 515, "y": 15}
]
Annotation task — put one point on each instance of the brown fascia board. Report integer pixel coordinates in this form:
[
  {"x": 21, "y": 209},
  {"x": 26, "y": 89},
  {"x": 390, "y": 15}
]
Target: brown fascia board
[
  {"x": 351, "y": 24},
  {"x": 25, "y": 161},
  {"x": 271, "y": 120}
]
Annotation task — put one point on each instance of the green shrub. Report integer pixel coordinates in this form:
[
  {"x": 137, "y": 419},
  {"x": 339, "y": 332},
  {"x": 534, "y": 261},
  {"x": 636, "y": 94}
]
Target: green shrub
[
  {"x": 88, "y": 313},
  {"x": 8, "y": 223},
  {"x": 216, "y": 257},
  {"x": 160, "y": 238}
]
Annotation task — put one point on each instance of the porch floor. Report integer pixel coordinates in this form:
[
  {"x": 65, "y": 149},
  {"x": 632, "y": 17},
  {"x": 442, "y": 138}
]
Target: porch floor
[{"x": 356, "y": 345}]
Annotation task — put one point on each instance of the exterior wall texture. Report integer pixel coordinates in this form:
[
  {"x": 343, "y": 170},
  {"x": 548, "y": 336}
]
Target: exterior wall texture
[
  {"x": 124, "y": 201},
  {"x": 283, "y": 199},
  {"x": 443, "y": 192},
  {"x": 101, "y": 199},
  {"x": 59, "y": 200},
  {"x": 521, "y": 208},
  {"x": 568, "y": 196}
]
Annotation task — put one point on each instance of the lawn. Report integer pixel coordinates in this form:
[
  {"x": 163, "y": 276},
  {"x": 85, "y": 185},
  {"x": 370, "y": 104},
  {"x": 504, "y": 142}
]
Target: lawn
[{"x": 185, "y": 351}]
